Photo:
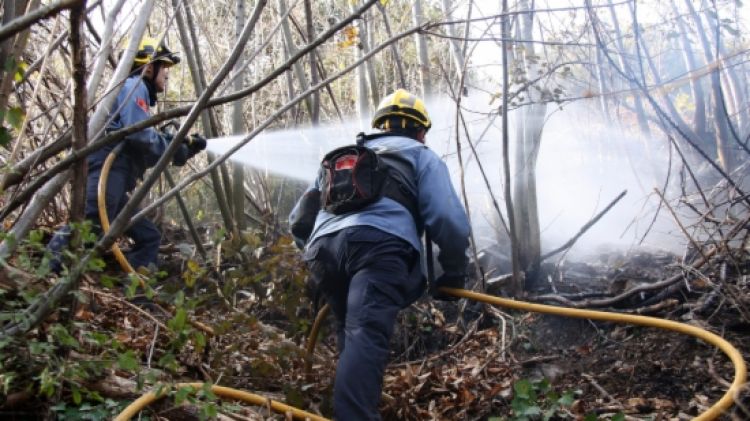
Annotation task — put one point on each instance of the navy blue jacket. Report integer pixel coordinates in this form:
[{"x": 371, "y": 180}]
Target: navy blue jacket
[
  {"x": 439, "y": 207},
  {"x": 143, "y": 148}
]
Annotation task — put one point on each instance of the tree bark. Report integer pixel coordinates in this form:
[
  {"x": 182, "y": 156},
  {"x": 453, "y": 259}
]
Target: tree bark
[
  {"x": 456, "y": 52},
  {"x": 78, "y": 191},
  {"x": 401, "y": 82},
  {"x": 691, "y": 64},
  {"x": 529, "y": 129},
  {"x": 238, "y": 127},
  {"x": 191, "y": 49},
  {"x": 722, "y": 135},
  {"x": 621, "y": 52},
  {"x": 422, "y": 52},
  {"x": 363, "y": 98},
  {"x": 314, "y": 76},
  {"x": 516, "y": 286}
]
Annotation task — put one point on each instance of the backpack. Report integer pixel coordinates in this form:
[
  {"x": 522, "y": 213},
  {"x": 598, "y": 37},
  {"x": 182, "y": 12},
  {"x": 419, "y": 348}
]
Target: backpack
[{"x": 354, "y": 176}]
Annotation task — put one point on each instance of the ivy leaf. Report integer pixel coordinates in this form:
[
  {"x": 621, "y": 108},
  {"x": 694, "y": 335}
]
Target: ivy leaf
[
  {"x": 181, "y": 395},
  {"x": 210, "y": 410},
  {"x": 127, "y": 361},
  {"x": 522, "y": 389}
]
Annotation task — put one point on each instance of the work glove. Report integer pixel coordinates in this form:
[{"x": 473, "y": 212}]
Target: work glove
[
  {"x": 195, "y": 143},
  {"x": 449, "y": 280}
]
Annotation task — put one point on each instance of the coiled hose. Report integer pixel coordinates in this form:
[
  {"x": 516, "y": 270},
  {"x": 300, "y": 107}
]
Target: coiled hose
[
  {"x": 101, "y": 191},
  {"x": 740, "y": 369}
]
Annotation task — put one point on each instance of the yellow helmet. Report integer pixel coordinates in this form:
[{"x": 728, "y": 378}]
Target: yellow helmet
[
  {"x": 150, "y": 50},
  {"x": 403, "y": 106}
]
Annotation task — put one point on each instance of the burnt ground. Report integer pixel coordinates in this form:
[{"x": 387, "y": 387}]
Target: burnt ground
[
  {"x": 456, "y": 361},
  {"x": 613, "y": 370}
]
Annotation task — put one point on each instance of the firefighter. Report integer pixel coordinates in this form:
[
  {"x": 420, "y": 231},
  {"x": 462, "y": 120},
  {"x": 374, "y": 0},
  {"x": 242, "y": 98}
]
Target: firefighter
[
  {"x": 142, "y": 149},
  {"x": 367, "y": 264}
]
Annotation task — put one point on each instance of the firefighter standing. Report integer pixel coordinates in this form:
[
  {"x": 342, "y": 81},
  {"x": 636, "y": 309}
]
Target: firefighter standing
[
  {"x": 366, "y": 263},
  {"x": 141, "y": 151}
]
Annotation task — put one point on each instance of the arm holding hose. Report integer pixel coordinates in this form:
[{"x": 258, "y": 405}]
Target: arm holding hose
[
  {"x": 191, "y": 146},
  {"x": 446, "y": 223}
]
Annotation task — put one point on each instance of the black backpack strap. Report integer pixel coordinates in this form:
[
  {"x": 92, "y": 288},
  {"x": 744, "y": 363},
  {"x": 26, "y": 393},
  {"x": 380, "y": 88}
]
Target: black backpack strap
[
  {"x": 396, "y": 186},
  {"x": 399, "y": 170}
]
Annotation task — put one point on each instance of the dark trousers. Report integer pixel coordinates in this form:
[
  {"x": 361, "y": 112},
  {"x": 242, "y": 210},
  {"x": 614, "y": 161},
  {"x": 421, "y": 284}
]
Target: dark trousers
[
  {"x": 367, "y": 276},
  {"x": 146, "y": 237}
]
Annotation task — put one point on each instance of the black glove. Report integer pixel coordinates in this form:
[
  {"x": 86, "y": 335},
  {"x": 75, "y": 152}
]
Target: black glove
[
  {"x": 450, "y": 281},
  {"x": 195, "y": 143}
]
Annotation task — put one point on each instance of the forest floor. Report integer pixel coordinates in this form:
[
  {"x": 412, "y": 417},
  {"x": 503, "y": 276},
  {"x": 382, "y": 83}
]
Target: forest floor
[{"x": 461, "y": 360}]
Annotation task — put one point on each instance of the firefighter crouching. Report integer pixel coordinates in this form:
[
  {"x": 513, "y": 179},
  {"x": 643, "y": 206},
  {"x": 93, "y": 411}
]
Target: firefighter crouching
[{"x": 366, "y": 262}]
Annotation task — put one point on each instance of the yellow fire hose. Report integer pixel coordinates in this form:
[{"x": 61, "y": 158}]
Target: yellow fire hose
[
  {"x": 104, "y": 218},
  {"x": 740, "y": 370},
  {"x": 224, "y": 392}
]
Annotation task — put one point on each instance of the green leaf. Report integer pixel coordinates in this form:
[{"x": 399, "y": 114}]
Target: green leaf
[
  {"x": 15, "y": 117},
  {"x": 20, "y": 70},
  {"x": 96, "y": 265},
  {"x": 522, "y": 389},
  {"x": 591, "y": 416},
  {"x": 77, "y": 396},
  {"x": 566, "y": 399},
  {"x": 5, "y": 136},
  {"x": 133, "y": 287},
  {"x": 200, "y": 341},
  {"x": 207, "y": 392},
  {"x": 210, "y": 410},
  {"x": 127, "y": 361},
  {"x": 619, "y": 417},
  {"x": 168, "y": 361},
  {"x": 107, "y": 281},
  {"x": 182, "y": 394},
  {"x": 543, "y": 386},
  {"x": 62, "y": 336},
  {"x": 177, "y": 323}
]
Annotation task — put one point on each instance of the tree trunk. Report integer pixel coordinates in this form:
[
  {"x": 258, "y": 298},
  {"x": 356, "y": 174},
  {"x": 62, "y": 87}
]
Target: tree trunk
[
  {"x": 422, "y": 53},
  {"x": 291, "y": 48},
  {"x": 691, "y": 64},
  {"x": 78, "y": 192},
  {"x": 456, "y": 53},
  {"x": 401, "y": 81},
  {"x": 621, "y": 52},
  {"x": 516, "y": 286},
  {"x": 723, "y": 138},
  {"x": 529, "y": 128},
  {"x": 363, "y": 99},
  {"x": 314, "y": 76},
  {"x": 191, "y": 49},
  {"x": 238, "y": 127},
  {"x": 12, "y": 48}
]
